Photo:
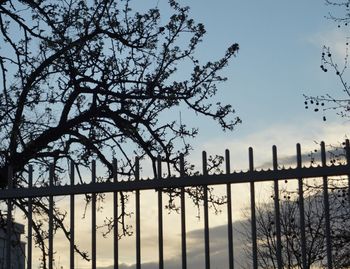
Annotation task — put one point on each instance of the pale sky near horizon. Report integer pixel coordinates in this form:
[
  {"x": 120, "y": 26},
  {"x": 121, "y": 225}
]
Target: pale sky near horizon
[{"x": 278, "y": 61}]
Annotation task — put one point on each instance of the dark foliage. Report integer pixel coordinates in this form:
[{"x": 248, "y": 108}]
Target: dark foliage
[
  {"x": 81, "y": 80},
  {"x": 96, "y": 79}
]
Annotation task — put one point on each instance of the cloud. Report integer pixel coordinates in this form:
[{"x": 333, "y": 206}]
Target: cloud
[
  {"x": 335, "y": 39},
  {"x": 285, "y": 137},
  {"x": 195, "y": 252}
]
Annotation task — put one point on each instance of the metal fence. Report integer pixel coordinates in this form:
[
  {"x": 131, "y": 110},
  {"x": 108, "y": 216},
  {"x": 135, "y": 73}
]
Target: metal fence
[{"x": 227, "y": 178}]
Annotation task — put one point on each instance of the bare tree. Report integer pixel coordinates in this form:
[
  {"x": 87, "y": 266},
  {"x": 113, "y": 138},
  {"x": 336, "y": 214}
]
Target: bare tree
[
  {"x": 316, "y": 251},
  {"x": 337, "y": 100},
  {"x": 96, "y": 79}
]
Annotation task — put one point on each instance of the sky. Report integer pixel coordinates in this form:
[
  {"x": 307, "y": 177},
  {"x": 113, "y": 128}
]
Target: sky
[
  {"x": 278, "y": 61},
  {"x": 279, "y": 58}
]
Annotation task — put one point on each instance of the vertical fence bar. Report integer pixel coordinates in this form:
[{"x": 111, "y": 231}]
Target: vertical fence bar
[
  {"x": 252, "y": 210},
  {"x": 115, "y": 217},
  {"x": 229, "y": 212},
  {"x": 51, "y": 177},
  {"x": 160, "y": 216},
  {"x": 326, "y": 208},
  {"x": 277, "y": 211},
  {"x": 183, "y": 216},
  {"x": 93, "y": 217},
  {"x": 347, "y": 152},
  {"x": 9, "y": 219},
  {"x": 206, "y": 214},
  {"x": 30, "y": 220},
  {"x": 301, "y": 210},
  {"x": 137, "y": 212},
  {"x": 72, "y": 218}
]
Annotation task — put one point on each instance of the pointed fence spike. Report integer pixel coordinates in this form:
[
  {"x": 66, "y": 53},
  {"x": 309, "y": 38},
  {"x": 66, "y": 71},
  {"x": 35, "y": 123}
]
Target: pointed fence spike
[
  {"x": 159, "y": 166},
  {"x": 274, "y": 157},
  {"x": 227, "y": 161},
  {"x": 299, "y": 161},
  {"x": 182, "y": 165},
  {"x": 204, "y": 163},
  {"x": 251, "y": 159},
  {"x": 137, "y": 168},
  {"x": 323, "y": 154},
  {"x": 115, "y": 170}
]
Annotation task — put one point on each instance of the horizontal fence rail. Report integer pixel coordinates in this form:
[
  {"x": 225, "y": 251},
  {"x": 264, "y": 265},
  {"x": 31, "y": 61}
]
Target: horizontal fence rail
[
  {"x": 178, "y": 182},
  {"x": 159, "y": 183}
]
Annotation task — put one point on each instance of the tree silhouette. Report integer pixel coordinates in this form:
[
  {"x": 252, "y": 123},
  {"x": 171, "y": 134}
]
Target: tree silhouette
[
  {"x": 96, "y": 79},
  {"x": 79, "y": 80}
]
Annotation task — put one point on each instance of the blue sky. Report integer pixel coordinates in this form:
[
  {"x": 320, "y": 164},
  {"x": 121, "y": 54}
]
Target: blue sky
[
  {"x": 279, "y": 58},
  {"x": 280, "y": 54}
]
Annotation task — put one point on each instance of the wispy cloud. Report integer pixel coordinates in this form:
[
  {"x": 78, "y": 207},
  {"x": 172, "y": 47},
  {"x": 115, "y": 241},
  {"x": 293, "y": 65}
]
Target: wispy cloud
[
  {"x": 195, "y": 253},
  {"x": 335, "y": 39},
  {"x": 285, "y": 137}
]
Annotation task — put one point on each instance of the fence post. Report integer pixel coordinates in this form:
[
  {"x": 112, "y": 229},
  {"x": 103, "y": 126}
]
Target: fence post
[
  {"x": 115, "y": 217},
  {"x": 229, "y": 212},
  {"x": 277, "y": 210},
  {"x": 160, "y": 215},
  {"x": 252, "y": 211},
  {"x": 72, "y": 215},
  {"x": 137, "y": 212},
  {"x": 9, "y": 219},
  {"x": 206, "y": 214},
  {"x": 301, "y": 210},
  {"x": 30, "y": 219},
  {"x": 51, "y": 178},
  {"x": 326, "y": 208},
  {"x": 183, "y": 215},
  {"x": 347, "y": 152},
  {"x": 93, "y": 217}
]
